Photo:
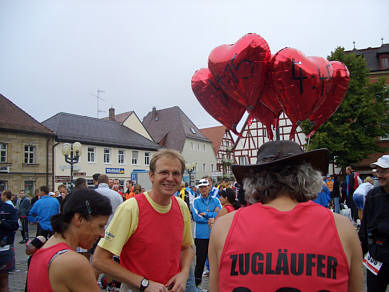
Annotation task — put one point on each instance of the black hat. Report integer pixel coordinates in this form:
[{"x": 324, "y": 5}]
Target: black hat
[{"x": 282, "y": 153}]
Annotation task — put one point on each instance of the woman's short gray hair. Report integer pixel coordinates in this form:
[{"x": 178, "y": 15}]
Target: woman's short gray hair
[{"x": 301, "y": 182}]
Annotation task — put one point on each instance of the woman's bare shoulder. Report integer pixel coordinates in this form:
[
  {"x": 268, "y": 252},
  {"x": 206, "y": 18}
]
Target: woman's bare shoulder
[
  {"x": 344, "y": 225},
  {"x": 69, "y": 262},
  {"x": 222, "y": 226}
]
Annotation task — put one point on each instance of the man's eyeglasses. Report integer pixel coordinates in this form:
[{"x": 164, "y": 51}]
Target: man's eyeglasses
[{"x": 382, "y": 170}]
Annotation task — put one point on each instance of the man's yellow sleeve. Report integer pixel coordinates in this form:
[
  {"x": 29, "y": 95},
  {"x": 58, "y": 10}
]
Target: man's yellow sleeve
[
  {"x": 187, "y": 239},
  {"x": 123, "y": 224}
]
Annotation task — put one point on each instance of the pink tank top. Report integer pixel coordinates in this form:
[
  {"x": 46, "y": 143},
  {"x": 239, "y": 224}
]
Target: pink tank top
[
  {"x": 153, "y": 251},
  {"x": 274, "y": 251},
  {"x": 229, "y": 208},
  {"x": 38, "y": 272}
]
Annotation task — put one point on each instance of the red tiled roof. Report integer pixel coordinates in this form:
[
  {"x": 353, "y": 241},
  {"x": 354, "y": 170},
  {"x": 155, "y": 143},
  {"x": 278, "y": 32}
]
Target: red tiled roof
[
  {"x": 14, "y": 118},
  {"x": 120, "y": 118},
  {"x": 215, "y": 134}
]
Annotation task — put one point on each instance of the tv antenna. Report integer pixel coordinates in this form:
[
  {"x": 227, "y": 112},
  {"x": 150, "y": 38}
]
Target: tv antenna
[{"x": 98, "y": 98}]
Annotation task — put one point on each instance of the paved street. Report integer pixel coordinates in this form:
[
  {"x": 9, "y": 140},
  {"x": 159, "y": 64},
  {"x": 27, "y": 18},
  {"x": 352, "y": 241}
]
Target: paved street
[{"x": 17, "y": 279}]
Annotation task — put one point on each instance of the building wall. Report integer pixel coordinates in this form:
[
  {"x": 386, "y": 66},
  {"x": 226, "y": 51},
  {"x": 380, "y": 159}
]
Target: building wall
[
  {"x": 202, "y": 154},
  {"x": 24, "y": 175},
  {"x": 375, "y": 76},
  {"x": 133, "y": 123},
  {"x": 225, "y": 152},
  {"x": 255, "y": 135},
  {"x": 86, "y": 169}
]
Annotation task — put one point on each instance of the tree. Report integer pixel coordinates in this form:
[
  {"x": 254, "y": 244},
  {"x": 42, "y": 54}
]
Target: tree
[{"x": 352, "y": 132}]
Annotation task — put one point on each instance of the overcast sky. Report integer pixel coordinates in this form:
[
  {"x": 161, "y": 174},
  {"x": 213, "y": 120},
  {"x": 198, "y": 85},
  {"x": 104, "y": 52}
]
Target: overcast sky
[{"x": 55, "y": 55}]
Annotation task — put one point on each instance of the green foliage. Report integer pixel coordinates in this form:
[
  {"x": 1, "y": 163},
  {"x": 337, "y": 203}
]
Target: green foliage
[{"x": 351, "y": 134}]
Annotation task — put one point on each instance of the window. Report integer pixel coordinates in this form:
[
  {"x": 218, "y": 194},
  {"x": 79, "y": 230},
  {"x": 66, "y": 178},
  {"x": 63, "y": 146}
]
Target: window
[
  {"x": 107, "y": 155},
  {"x": 3, "y": 185},
  {"x": 204, "y": 167},
  {"x": 3, "y": 152},
  {"x": 147, "y": 158},
  {"x": 198, "y": 147},
  {"x": 121, "y": 156},
  {"x": 204, "y": 147},
  {"x": 91, "y": 154},
  {"x": 384, "y": 63},
  {"x": 134, "y": 159},
  {"x": 29, "y": 154},
  {"x": 211, "y": 167},
  {"x": 243, "y": 160},
  {"x": 29, "y": 187},
  {"x": 192, "y": 145}
]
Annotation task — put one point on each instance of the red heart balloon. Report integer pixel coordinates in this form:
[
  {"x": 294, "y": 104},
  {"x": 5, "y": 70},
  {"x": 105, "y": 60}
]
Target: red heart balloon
[
  {"x": 266, "y": 117},
  {"x": 335, "y": 96},
  {"x": 269, "y": 96},
  {"x": 216, "y": 102},
  {"x": 240, "y": 69},
  {"x": 302, "y": 83}
]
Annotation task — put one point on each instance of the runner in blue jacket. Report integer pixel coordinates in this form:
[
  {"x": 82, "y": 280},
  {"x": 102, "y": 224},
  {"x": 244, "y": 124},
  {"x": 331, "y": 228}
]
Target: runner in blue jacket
[{"x": 205, "y": 209}]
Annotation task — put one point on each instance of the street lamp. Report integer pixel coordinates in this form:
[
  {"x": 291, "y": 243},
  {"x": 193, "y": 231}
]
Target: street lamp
[
  {"x": 72, "y": 153},
  {"x": 190, "y": 169}
]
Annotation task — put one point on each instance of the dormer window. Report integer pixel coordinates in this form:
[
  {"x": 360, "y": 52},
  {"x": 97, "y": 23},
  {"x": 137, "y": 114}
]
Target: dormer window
[
  {"x": 385, "y": 62},
  {"x": 193, "y": 130}
]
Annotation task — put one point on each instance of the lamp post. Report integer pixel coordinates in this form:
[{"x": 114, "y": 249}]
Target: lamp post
[
  {"x": 190, "y": 169},
  {"x": 72, "y": 153}
]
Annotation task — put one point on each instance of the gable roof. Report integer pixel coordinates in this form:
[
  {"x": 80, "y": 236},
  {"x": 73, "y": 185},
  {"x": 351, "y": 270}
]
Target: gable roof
[
  {"x": 170, "y": 127},
  {"x": 371, "y": 56},
  {"x": 215, "y": 135},
  {"x": 120, "y": 118},
  {"x": 70, "y": 127},
  {"x": 14, "y": 118}
]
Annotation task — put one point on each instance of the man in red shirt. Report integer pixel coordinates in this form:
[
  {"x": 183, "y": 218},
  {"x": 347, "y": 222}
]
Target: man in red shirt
[
  {"x": 116, "y": 188},
  {"x": 151, "y": 233},
  {"x": 284, "y": 241}
]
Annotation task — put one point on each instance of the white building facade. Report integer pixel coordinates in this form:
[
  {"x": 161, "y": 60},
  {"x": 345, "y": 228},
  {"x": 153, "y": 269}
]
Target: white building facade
[{"x": 108, "y": 147}]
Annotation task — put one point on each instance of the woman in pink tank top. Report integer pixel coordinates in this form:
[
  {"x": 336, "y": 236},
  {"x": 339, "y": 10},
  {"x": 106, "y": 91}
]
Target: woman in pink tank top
[
  {"x": 228, "y": 201},
  {"x": 284, "y": 241},
  {"x": 56, "y": 266}
]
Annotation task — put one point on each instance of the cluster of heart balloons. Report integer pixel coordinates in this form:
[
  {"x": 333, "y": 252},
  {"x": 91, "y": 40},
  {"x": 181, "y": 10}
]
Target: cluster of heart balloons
[{"x": 245, "y": 76}]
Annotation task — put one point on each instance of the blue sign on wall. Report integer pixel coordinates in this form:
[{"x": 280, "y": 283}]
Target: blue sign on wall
[
  {"x": 114, "y": 170},
  {"x": 133, "y": 177}
]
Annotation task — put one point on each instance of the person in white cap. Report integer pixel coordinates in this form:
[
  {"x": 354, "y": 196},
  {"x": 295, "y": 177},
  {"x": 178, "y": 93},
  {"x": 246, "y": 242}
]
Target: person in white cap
[
  {"x": 205, "y": 209},
  {"x": 374, "y": 231}
]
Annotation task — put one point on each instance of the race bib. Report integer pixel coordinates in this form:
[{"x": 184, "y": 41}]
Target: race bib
[{"x": 373, "y": 265}]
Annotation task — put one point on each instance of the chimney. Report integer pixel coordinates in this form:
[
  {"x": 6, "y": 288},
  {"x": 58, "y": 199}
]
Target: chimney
[
  {"x": 154, "y": 114},
  {"x": 111, "y": 115}
]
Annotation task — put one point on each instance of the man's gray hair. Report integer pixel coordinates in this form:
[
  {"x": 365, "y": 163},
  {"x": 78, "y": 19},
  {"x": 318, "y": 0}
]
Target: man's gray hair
[{"x": 301, "y": 182}]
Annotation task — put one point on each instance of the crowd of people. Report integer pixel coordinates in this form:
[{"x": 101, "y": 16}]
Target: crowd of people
[
  {"x": 18, "y": 211},
  {"x": 268, "y": 231}
]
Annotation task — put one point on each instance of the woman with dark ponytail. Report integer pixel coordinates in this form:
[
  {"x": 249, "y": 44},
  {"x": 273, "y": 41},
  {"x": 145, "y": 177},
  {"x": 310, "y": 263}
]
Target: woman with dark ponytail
[
  {"x": 228, "y": 201},
  {"x": 57, "y": 266}
]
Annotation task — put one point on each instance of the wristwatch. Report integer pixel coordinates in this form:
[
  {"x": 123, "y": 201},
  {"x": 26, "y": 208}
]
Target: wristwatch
[{"x": 144, "y": 284}]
